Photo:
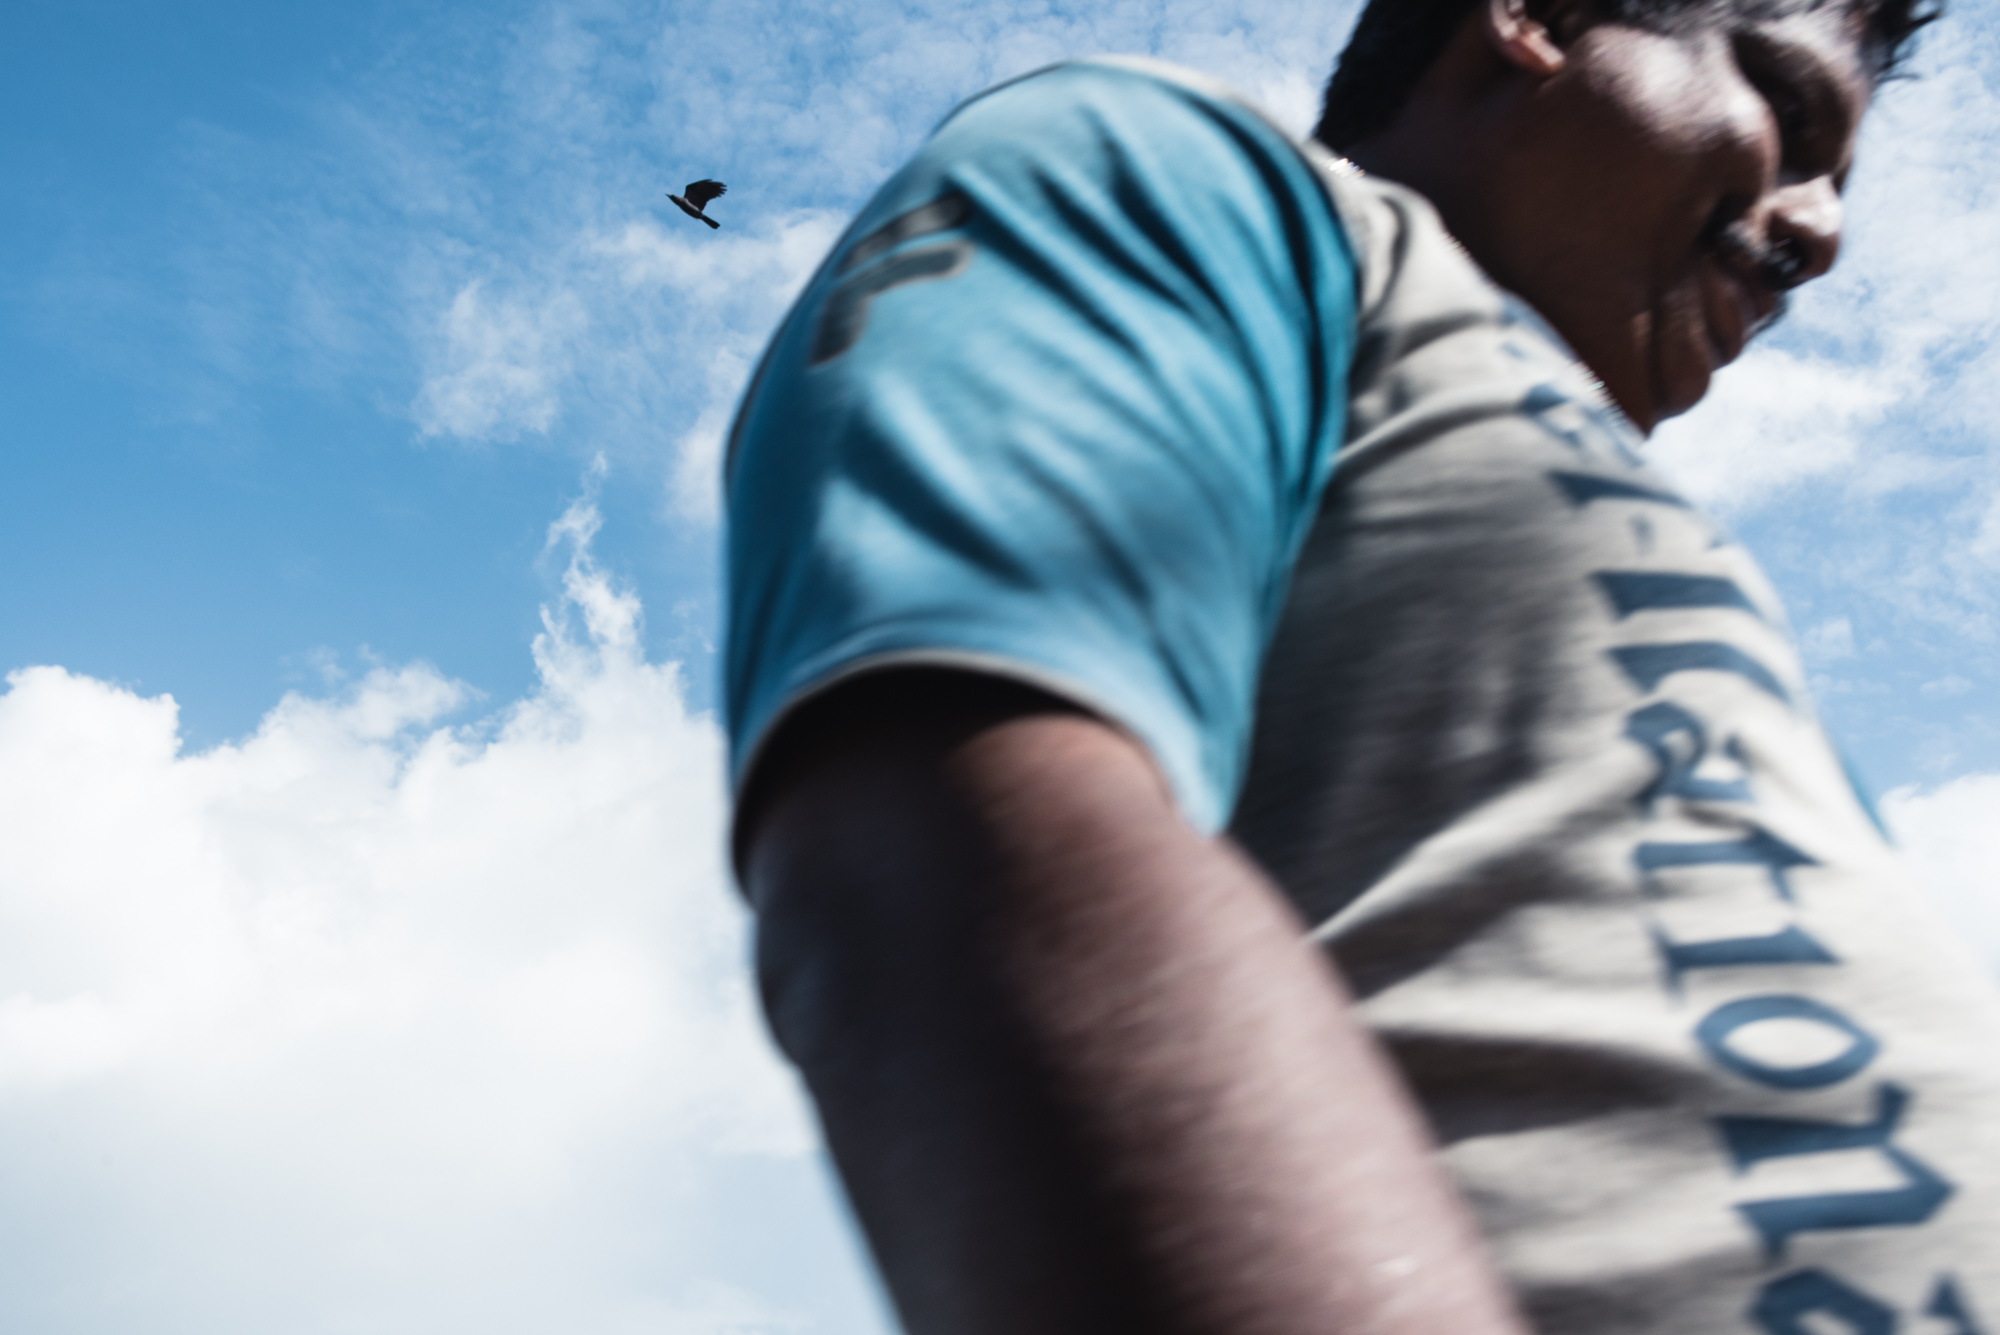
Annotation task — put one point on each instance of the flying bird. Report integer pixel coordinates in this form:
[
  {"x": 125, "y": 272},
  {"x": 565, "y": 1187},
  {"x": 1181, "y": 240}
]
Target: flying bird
[{"x": 698, "y": 194}]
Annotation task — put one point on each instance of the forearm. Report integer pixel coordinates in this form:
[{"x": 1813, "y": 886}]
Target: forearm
[{"x": 1078, "y": 1067}]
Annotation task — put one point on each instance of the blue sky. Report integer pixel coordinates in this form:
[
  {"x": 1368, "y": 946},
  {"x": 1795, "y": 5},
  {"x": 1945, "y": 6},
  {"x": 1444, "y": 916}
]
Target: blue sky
[{"x": 366, "y": 957}]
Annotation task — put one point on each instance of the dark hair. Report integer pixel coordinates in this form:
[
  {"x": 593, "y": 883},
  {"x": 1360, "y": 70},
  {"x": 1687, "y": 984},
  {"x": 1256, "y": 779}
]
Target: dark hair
[{"x": 1397, "y": 41}]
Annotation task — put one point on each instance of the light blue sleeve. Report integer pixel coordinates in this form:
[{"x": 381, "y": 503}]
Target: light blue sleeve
[{"x": 1059, "y": 407}]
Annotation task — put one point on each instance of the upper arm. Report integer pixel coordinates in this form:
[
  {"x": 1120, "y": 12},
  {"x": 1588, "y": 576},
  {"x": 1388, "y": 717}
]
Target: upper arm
[{"x": 1056, "y": 410}]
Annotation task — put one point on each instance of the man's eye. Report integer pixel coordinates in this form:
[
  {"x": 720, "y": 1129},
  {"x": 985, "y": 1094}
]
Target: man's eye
[
  {"x": 1788, "y": 112},
  {"x": 1794, "y": 125},
  {"x": 1791, "y": 109}
]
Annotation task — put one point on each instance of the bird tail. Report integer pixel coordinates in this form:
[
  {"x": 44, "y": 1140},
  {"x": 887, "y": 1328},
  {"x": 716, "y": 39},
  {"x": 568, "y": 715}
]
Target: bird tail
[{"x": 710, "y": 221}]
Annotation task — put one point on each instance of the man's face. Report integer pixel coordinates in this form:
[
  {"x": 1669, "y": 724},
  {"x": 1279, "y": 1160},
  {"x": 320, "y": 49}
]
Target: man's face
[{"x": 1660, "y": 191}]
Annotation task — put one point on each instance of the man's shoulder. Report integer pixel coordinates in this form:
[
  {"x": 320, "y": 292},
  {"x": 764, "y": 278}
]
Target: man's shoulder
[
  {"x": 1131, "y": 104},
  {"x": 1154, "y": 131},
  {"x": 1167, "y": 137},
  {"x": 1139, "y": 172}
]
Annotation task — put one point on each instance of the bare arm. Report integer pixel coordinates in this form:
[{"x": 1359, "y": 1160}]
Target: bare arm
[{"x": 1076, "y": 1064}]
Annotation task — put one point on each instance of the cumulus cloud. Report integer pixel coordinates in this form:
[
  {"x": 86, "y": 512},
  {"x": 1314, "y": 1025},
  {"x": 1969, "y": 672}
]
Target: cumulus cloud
[{"x": 375, "y": 1021}]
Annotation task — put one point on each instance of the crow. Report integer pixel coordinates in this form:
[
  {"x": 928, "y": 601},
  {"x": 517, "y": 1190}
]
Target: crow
[{"x": 698, "y": 194}]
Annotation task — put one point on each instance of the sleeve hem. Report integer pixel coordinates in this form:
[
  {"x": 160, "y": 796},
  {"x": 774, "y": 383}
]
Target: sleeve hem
[{"x": 1001, "y": 666}]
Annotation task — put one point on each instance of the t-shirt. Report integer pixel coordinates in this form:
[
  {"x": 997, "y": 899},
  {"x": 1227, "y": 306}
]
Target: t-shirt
[{"x": 1117, "y": 390}]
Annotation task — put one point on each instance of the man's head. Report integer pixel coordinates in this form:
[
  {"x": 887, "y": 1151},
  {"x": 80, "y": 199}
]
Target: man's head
[{"x": 1651, "y": 175}]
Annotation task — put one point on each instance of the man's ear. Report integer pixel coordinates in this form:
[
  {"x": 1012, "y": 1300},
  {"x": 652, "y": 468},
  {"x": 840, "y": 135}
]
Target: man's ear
[{"x": 1526, "y": 35}]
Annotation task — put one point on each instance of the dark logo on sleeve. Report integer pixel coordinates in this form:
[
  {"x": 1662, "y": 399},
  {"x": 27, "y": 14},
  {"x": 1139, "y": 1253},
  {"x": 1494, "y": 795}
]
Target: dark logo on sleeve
[{"x": 844, "y": 315}]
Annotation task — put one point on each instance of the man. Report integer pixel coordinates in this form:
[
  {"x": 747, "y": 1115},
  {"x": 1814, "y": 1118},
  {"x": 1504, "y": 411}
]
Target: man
[{"x": 1131, "y": 474}]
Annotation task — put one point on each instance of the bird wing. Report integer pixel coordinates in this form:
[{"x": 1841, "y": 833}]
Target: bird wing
[{"x": 700, "y": 192}]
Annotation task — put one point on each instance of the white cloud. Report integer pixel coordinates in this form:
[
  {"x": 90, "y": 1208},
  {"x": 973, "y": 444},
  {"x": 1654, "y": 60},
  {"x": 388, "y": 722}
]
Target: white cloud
[
  {"x": 1950, "y": 835},
  {"x": 367, "y": 1022},
  {"x": 497, "y": 366}
]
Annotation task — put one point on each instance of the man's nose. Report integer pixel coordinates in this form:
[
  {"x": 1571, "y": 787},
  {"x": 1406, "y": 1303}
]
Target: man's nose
[{"x": 1805, "y": 218}]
